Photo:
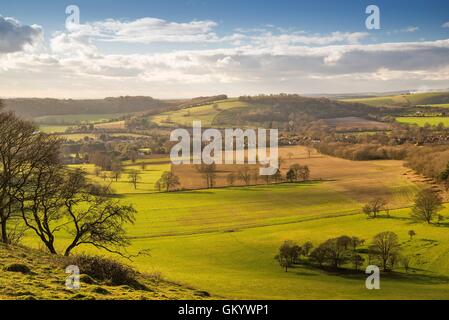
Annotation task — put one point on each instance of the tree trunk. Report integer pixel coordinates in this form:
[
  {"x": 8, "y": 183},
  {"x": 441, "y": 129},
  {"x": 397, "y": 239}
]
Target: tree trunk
[
  {"x": 68, "y": 250},
  {"x": 51, "y": 247},
  {"x": 4, "y": 232}
]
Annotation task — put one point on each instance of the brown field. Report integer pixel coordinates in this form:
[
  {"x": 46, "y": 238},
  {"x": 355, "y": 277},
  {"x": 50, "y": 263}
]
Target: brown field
[
  {"x": 111, "y": 125},
  {"x": 359, "y": 180},
  {"x": 356, "y": 124}
]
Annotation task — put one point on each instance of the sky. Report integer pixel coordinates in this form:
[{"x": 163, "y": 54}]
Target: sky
[{"x": 190, "y": 48}]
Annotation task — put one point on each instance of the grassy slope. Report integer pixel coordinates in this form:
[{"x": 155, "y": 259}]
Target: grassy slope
[
  {"x": 148, "y": 177},
  {"x": 422, "y": 121},
  {"x": 206, "y": 114},
  {"x": 53, "y": 128},
  {"x": 47, "y": 281},
  {"x": 241, "y": 264},
  {"x": 413, "y": 99},
  {"x": 224, "y": 240},
  {"x": 77, "y": 118}
]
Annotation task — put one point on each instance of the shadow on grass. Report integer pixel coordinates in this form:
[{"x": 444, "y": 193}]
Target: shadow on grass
[{"x": 415, "y": 275}]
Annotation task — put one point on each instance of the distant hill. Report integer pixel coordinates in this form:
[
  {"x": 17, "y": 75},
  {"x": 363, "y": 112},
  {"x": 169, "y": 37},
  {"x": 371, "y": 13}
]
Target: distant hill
[
  {"x": 276, "y": 110},
  {"x": 31, "y": 108},
  {"x": 404, "y": 100}
]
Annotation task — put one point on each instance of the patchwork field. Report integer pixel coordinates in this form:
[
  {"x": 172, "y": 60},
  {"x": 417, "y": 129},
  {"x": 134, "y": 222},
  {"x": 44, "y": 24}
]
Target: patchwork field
[
  {"x": 71, "y": 119},
  {"x": 356, "y": 124},
  {"x": 374, "y": 178},
  {"x": 422, "y": 121},
  {"x": 206, "y": 114},
  {"x": 50, "y": 129},
  {"x": 111, "y": 125},
  {"x": 224, "y": 240},
  {"x": 405, "y": 99}
]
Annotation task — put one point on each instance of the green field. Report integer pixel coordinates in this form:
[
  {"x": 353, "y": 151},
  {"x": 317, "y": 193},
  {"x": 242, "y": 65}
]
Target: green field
[
  {"x": 441, "y": 105},
  {"x": 224, "y": 240},
  {"x": 206, "y": 114},
  {"x": 405, "y": 99},
  {"x": 71, "y": 119},
  {"x": 53, "y": 128},
  {"x": 240, "y": 264},
  {"x": 148, "y": 177},
  {"x": 422, "y": 121}
]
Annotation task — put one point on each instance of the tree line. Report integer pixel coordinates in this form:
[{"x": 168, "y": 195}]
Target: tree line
[{"x": 384, "y": 250}]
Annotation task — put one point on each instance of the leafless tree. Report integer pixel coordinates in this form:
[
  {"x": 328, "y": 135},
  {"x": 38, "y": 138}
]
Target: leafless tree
[
  {"x": 22, "y": 148},
  {"x": 208, "y": 172},
  {"x": 134, "y": 178}
]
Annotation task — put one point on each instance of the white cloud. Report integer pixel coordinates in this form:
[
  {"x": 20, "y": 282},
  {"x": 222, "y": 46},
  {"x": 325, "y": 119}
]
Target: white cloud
[
  {"x": 410, "y": 29},
  {"x": 16, "y": 37},
  {"x": 147, "y": 30},
  {"x": 259, "y": 61},
  {"x": 445, "y": 25}
]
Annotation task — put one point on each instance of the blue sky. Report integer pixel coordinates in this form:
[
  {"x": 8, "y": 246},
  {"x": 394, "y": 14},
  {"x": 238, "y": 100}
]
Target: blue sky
[
  {"x": 198, "y": 47},
  {"x": 314, "y": 16}
]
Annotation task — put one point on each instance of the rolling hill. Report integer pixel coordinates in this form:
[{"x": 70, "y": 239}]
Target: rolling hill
[{"x": 404, "y": 100}]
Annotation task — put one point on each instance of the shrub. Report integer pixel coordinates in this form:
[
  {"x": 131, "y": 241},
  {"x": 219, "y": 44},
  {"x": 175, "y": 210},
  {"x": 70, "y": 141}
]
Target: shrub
[
  {"x": 18, "y": 267},
  {"x": 107, "y": 270}
]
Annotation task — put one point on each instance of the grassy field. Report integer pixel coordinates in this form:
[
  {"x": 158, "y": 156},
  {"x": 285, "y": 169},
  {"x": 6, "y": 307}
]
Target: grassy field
[
  {"x": 148, "y": 177},
  {"x": 356, "y": 124},
  {"x": 405, "y": 99},
  {"x": 224, "y": 240},
  {"x": 206, "y": 114},
  {"x": 240, "y": 264},
  {"x": 71, "y": 119},
  {"x": 53, "y": 128},
  {"x": 441, "y": 105},
  {"x": 422, "y": 121},
  {"x": 374, "y": 178}
]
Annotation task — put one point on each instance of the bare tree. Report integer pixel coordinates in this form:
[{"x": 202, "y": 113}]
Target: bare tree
[
  {"x": 116, "y": 170},
  {"x": 134, "y": 178},
  {"x": 373, "y": 208},
  {"x": 40, "y": 203},
  {"x": 94, "y": 220},
  {"x": 427, "y": 205},
  {"x": 231, "y": 179},
  {"x": 244, "y": 175},
  {"x": 22, "y": 148},
  {"x": 209, "y": 173},
  {"x": 385, "y": 248}
]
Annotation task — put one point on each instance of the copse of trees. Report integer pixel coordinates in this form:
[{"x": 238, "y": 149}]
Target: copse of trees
[
  {"x": 168, "y": 182},
  {"x": 289, "y": 253},
  {"x": 374, "y": 207},
  {"x": 297, "y": 173},
  {"x": 344, "y": 251}
]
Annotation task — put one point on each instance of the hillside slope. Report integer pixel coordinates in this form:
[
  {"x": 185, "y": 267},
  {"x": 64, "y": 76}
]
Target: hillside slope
[
  {"x": 30, "y": 108},
  {"x": 405, "y": 99},
  {"x": 46, "y": 278}
]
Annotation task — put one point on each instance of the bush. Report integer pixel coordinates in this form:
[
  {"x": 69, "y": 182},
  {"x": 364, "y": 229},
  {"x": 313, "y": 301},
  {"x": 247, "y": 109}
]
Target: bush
[
  {"x": 107, "y": 270},
  {"x": 18, "y": 267}
]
